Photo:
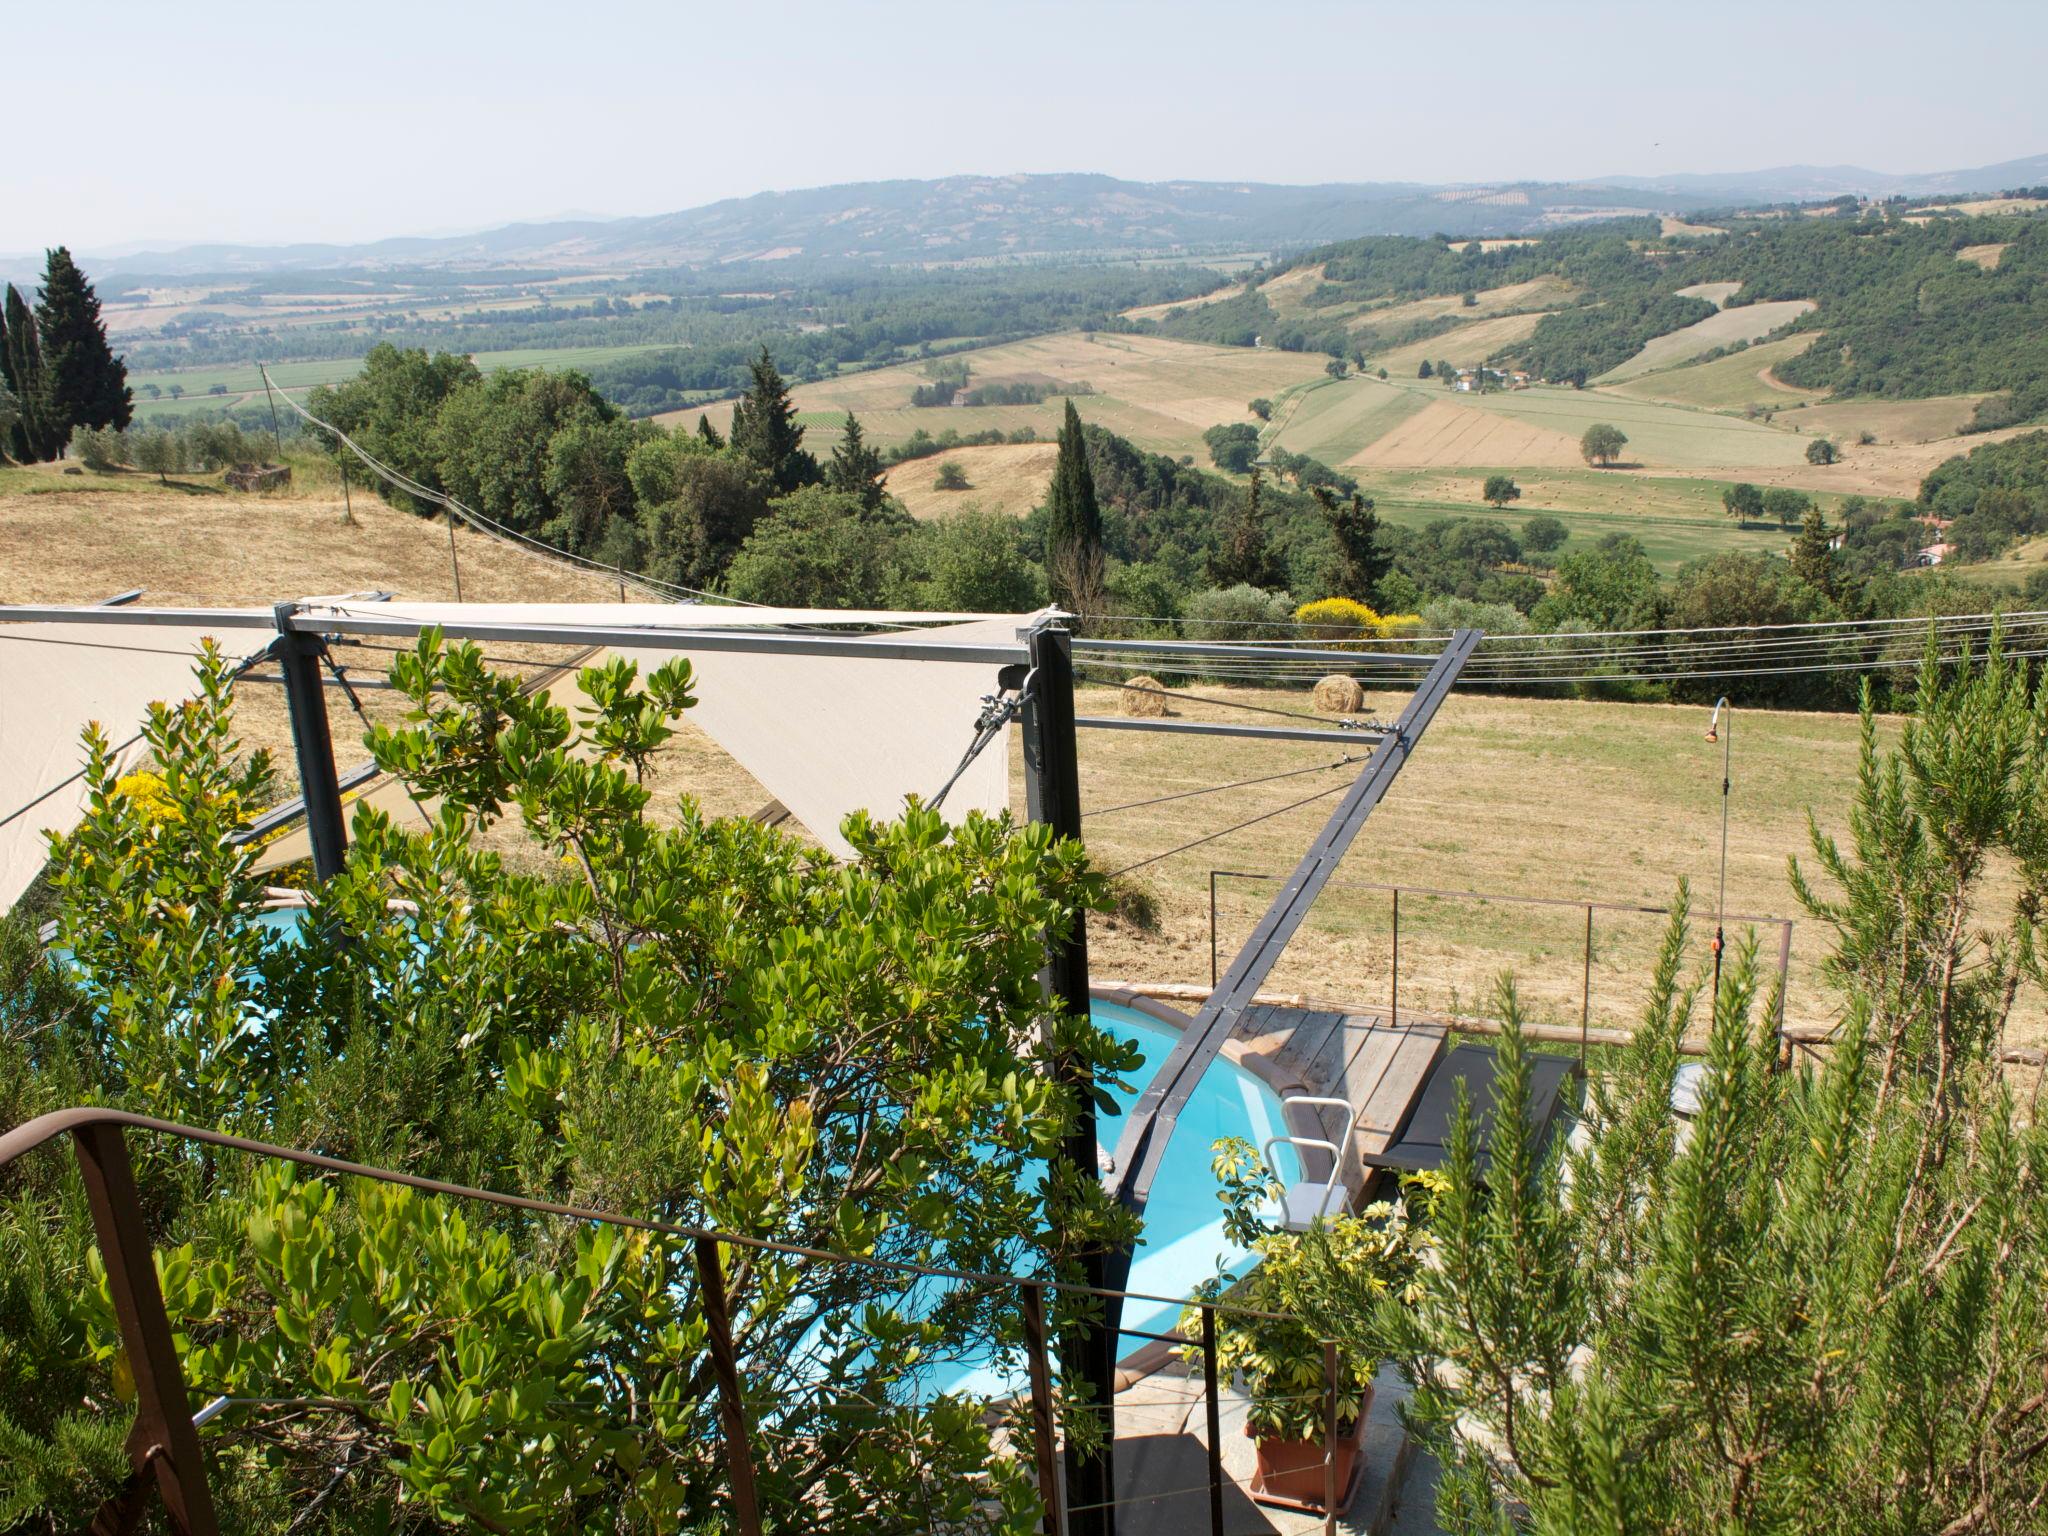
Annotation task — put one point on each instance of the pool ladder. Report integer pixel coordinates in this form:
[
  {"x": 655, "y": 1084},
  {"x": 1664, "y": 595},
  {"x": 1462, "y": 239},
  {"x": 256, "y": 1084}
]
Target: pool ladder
[{"x": 1306, "y": 1201}]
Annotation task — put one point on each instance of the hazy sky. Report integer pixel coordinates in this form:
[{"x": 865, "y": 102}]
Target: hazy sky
[{"x": 222, "y": 120}]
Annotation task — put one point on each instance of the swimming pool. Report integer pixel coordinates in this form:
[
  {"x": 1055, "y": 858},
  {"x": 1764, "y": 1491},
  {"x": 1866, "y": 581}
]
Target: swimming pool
[{"x": 1183, "y": 1242}]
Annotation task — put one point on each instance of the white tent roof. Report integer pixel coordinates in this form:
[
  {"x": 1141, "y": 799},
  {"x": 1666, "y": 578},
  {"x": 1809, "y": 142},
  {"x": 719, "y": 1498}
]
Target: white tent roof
[
  {"x": 824, "y": 734},
  {"x": 54, "y": 678}
]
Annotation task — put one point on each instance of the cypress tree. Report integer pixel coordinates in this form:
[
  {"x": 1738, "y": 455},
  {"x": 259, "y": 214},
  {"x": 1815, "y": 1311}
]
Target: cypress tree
[
  {"x": 764, "y": 428},
  {"x": 856, "y": 468},
  {"x": 708, "y": 432},
  {"x": 24, "y": 372},
  {"x": 1073, "y": 535},
  {"x": 1356, "y": 528},
  {"x": 1242, "y": 553},
  {"x": 84, "y": 384},
  {"x": 1813, "y": 555}
]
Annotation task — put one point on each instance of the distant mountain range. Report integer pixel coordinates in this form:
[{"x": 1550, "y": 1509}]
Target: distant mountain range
[{"x": 982, "y": 218}]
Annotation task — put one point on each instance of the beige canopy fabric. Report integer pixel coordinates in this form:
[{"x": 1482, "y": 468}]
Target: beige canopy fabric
[
  {"x": 825, "y": 735},
  {"x": 54, "y": 678},
  {"x": 828, "y": 735}
]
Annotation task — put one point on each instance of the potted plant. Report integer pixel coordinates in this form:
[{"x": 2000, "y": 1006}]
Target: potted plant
[{"x": 1275, "y": 1348}]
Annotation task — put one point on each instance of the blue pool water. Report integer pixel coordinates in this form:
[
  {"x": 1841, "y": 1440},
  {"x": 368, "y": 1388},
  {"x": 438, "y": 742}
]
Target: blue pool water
[{"x": 1183, "y": 1242}]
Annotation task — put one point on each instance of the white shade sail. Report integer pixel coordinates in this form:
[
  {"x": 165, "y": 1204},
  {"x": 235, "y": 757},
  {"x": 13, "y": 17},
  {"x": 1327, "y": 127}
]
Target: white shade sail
[
  {"x": 825, "y": 735},
  {"x": 54, "y": 679}
]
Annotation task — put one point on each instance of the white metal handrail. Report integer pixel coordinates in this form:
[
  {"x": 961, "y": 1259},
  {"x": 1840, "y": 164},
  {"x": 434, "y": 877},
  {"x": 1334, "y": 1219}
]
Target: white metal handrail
[{"x": 1334, "y": 1184}]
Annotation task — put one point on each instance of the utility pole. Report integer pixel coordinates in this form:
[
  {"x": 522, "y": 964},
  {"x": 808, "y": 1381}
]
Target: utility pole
[{"x": 1087, "y": 1345}]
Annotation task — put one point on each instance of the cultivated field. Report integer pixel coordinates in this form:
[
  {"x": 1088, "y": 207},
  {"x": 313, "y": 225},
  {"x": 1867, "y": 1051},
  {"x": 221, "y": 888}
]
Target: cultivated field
[
  {"x": 1002, "y": 477},
  {"x": 1160, "y": 394},
  {"x": 1674, "y": 519},
  {"x": 1746, "y": 322},
  {"x": 1985, "y": 256},
  {"x": 1890, "y": 421},
  {"x": 1732, "y": 383},
  {"x": 241, "y": 384}
]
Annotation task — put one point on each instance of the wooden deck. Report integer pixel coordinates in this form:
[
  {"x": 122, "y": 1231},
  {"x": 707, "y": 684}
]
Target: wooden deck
[{"x": 1376, "y": 1067}]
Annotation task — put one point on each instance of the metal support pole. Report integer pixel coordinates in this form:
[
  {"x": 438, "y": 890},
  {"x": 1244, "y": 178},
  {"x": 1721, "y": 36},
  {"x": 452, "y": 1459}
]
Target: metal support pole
[
  {"x": 1215, "y": 1408},
  {"x": 1329, "y": 1438},
  {"x": 1586, "y": 988},
  {"x": 163, "y": 1446},
  {"x": 1044, "y": 1443},
  {"x": 732, "y": 1404},
  {"x": 1784, "y": 982},
  {"x": 300, "y": 657},
  {"x": 1087, "y": 1346},
  {"x": 1212, "y": 929},
  {"x": 1394, "y": 985},
  {"x": 348, "y": 508}
]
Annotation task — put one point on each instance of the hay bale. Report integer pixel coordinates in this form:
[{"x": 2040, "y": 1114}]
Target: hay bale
[
  {"x": 1339, "y": 695},
  {"x": 1136, "y": 701}
]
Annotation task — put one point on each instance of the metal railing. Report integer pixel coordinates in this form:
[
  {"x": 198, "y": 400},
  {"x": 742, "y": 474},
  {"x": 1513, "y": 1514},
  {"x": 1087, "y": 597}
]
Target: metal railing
[
  {"x": 163, "y": 1446},
  {"x": 1586, "y": 1033}
]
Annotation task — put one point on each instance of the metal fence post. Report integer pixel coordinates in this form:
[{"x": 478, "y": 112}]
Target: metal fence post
[
  {"x": 163, "y": 1446},
  {"x": 1784, "y": 984},
  {"x": 1215, "y": 1409},
  {"x": 1394, "y": 986},
  {"x": 1329, "y": 1438},
  {"x": 1586, "y": 989},
  {"x": 1045, "y": 1450},
  {"x": 1212, "y": 929},
  {"x": 732, "y": 1404}
]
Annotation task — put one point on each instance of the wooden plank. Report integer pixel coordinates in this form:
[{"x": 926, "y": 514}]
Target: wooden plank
[
  {"x": 1315, "y": 1049},
  {"x": 1416, "y": 1051}
]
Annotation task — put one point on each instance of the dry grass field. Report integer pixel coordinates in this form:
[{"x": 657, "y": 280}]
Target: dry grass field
[
  {"x": 1450, "y": 431},
  {"x": 1716, "y": 294},
  {"x": 1467, "y": 346},
  {"x": 1160, "y": 394},
  {"x": 1985, "y": 256},
  {"x": 1746, "y": 322},
  {"x": 1161, "y": 311},
  {"x": 1506, "y": 797},
  {"x": 1002, "y": 477}
]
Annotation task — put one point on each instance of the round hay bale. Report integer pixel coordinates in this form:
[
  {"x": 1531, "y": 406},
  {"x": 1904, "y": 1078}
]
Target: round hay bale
[
  {"x": 1136, "y": 700},
  {"x": 1339, "y": 695}
]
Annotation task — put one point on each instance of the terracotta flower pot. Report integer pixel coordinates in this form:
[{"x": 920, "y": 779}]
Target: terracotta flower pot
[{"x": 1290, "y": 1473}]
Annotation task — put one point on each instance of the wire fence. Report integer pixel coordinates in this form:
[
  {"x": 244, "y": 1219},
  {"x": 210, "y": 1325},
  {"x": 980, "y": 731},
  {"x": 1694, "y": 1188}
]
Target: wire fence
[{"x": 1424, "y": 953}]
